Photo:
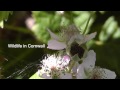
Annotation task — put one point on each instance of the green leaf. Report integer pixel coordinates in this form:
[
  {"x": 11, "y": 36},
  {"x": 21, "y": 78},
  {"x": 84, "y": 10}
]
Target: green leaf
[
  {"x": 1, "y": 24},
  {"x": 35, "y": 76},
  {"x": 4, "y": 16}
]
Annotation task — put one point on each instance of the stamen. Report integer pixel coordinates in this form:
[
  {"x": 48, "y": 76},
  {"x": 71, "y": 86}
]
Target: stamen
[
  {"x": 97, "y": 73},
  {"x": 54, "y": 66}
]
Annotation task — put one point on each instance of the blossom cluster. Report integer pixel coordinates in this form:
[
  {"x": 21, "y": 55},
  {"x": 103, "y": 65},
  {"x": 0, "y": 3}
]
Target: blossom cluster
[{"x": 74, "y": 60}]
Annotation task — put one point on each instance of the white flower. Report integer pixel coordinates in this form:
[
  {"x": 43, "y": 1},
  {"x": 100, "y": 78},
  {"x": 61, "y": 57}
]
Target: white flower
[
  {"x": 88, "y": 70},
  {"x": 67, "y": 37},
  {"x": 55, "y": 67}
]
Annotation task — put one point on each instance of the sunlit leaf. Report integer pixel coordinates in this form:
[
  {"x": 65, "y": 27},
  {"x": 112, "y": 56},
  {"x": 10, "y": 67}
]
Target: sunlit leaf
[
  {"x": 4, "y": 16},
  {"x": 35, "y": 76}
]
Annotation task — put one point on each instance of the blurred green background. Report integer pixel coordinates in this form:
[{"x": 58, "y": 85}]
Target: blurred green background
[{"x": 23, "y": 27}]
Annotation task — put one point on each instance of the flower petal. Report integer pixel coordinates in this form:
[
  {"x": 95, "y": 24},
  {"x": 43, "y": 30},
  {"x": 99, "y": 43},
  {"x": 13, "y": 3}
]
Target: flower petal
[
  {"x": 89, "y": 37},
  {"x": 53, "y": 36},
  {"x": 89, "y": 61},
  {"x": 56, "y": 45},
  {"x": 66, "y": 76},
  {"x": 80, "y": 73},
  {"x": 108, "y": 74}
]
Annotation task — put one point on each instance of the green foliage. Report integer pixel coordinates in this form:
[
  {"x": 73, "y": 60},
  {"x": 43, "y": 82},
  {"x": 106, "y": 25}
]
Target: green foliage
[
  {"x": 4, "y": 16},
  {"x": 44, "y": 20}
]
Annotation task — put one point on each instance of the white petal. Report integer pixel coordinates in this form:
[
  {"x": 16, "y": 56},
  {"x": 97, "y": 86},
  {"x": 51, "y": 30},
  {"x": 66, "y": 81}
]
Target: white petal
[
  {"x": 53, "y": 36},
  {"x": 108, "y": 74},
  {"x": 44, "y": 75},
  {"x": 80, "y": 73},
  {"x": 38, "y": 72},
  {"x": 89, "y": 37},
  {"x": 56, "y": 45},
  {"x": 89, "y": 61},
  {"x": 66, "y": 76}
]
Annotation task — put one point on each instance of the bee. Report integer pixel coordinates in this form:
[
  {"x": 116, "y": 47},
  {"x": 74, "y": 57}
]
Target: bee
[{"x": 77, "y": 49}]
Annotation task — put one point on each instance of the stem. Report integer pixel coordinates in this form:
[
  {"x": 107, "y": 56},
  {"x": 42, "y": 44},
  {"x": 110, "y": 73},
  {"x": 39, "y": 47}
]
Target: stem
[
  {"x": 87, "y": 23},
  {"x": 71, "y": 66}
]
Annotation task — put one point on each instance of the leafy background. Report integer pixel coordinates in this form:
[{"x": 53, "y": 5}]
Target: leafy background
[{"x": 25, "y": 27}]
